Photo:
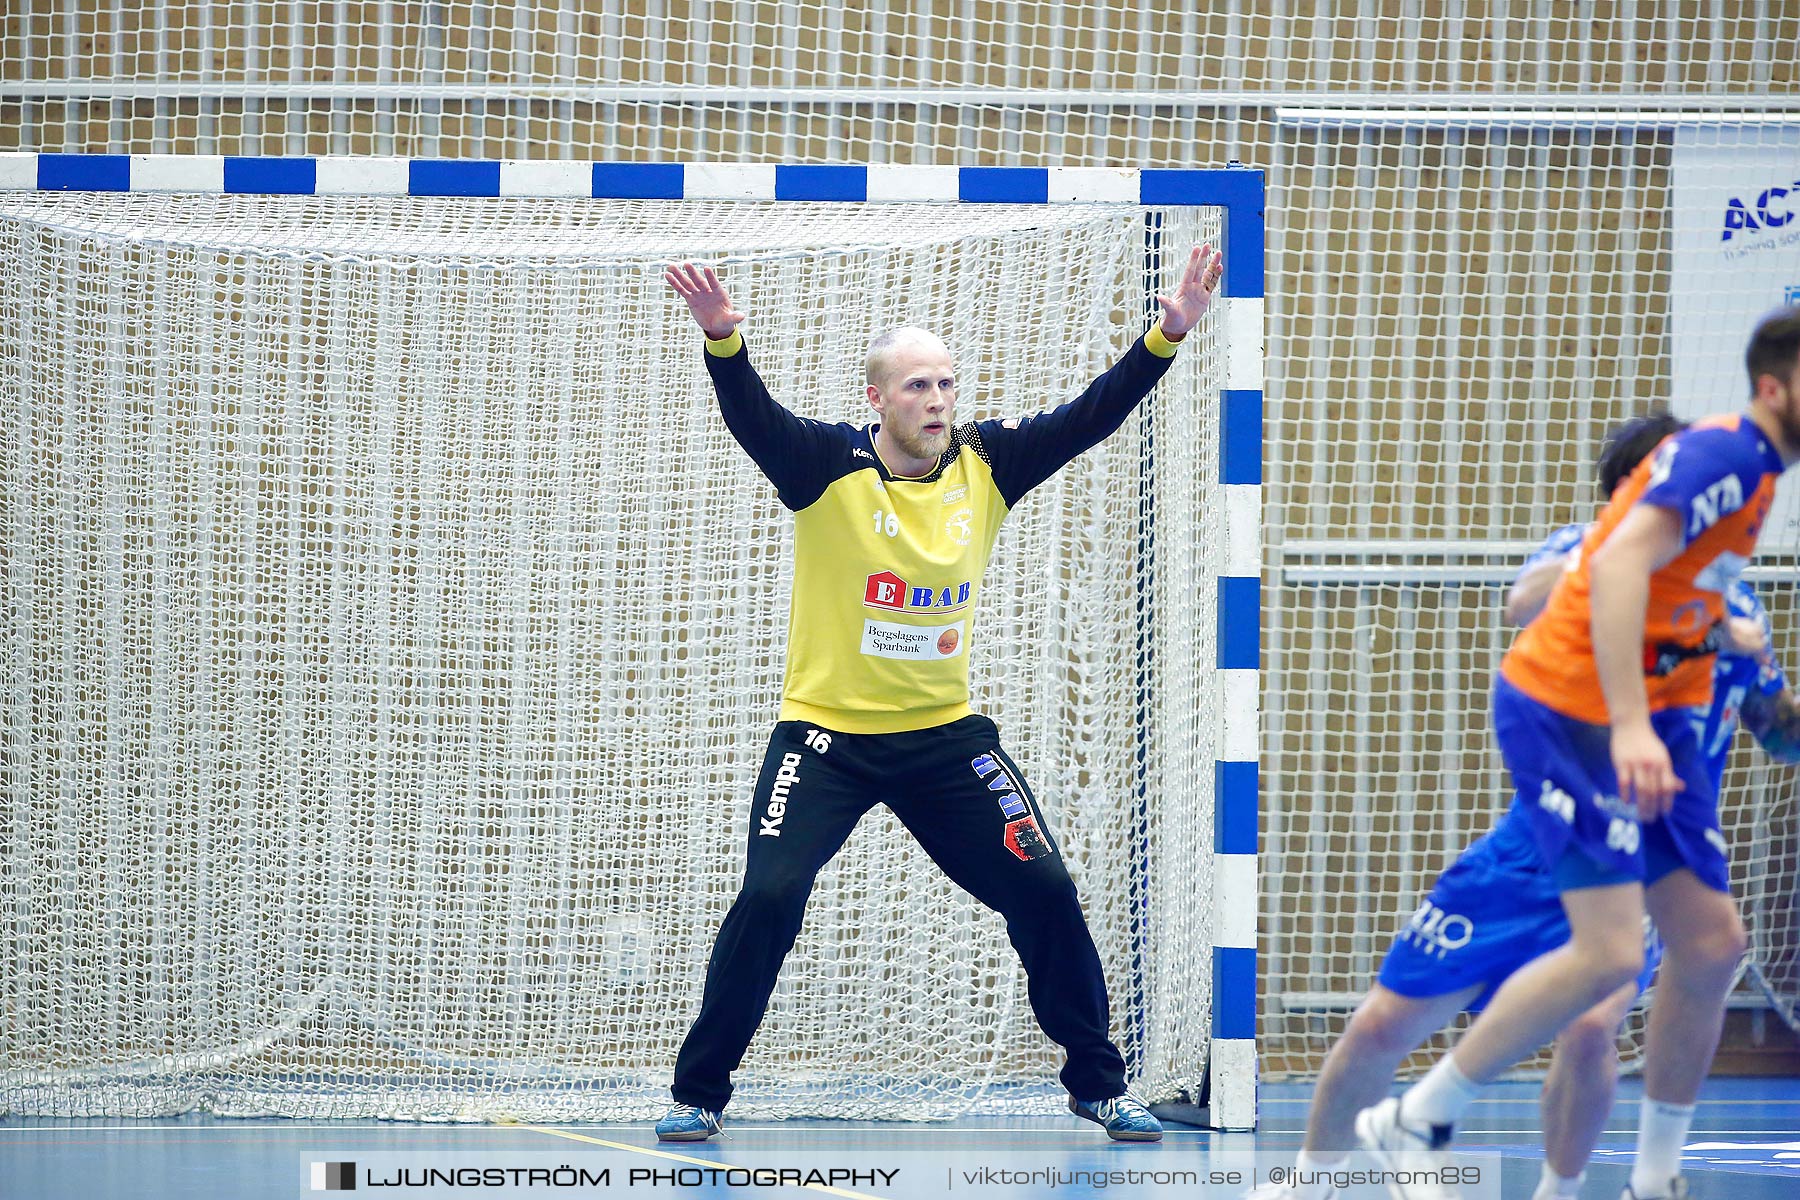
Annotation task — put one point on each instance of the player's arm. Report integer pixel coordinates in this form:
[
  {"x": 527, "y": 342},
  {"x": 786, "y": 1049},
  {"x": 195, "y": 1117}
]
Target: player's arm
[
  {"x": 1771, "y": 712},
  {"x": 1537, "y": 578},
  {"x": 1774, "y": 720},
  {"x": 1647, "y": 539},
  {"x": 1746, "y": 638},
  {"x": 787, "y": 448},
  {"x": 1025, "y": 453},
  {"x": 1531, "y": 590}
]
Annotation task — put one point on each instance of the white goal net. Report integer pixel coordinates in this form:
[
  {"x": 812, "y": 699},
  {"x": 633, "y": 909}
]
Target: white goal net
[
  {"x": 393, "y": 630},
  {"x": 1519, "y": 287}
]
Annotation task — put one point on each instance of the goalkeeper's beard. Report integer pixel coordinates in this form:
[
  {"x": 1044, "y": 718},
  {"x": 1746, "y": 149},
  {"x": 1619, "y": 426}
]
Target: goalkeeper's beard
[{"x": 922, "y": 445}]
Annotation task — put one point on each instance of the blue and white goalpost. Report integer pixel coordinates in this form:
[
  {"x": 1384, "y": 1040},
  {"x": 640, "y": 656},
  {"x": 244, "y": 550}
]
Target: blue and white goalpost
[{"x": 394, "y": 629}]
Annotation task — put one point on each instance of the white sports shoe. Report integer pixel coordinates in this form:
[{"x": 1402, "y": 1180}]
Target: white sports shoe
[
  {"x": 1421, "y": 1154},
  {"x": 1678, "y": 1190}
]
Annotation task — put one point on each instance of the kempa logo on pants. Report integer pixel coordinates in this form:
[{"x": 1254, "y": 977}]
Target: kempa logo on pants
[{"x": 786, "y": 776}]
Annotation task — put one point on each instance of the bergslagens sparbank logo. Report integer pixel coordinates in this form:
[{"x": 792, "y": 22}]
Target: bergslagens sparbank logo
[
  {"x": 334, "y": 1177},
  {"x": 1771, "y": 208}
]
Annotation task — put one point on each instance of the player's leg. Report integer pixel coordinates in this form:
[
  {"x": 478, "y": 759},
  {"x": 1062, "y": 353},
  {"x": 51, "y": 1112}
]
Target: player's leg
[
  {"x": 806, "y": 803},
  {"x": 1604, "y": 953},
  {"x": 1578, "y": 1092},
  {"x": 1493, "y": 910},
  {"x": 1563, "y": 773},
  {"x": 1591, "y": 845},
  {"x": 974, "y": 815},
  {"x": 1489, "y": 913},
  {"x": 1689, "y": 896},
  {"x": 1704, "y": 939},
  {"x": 1385, "y": 1028},
  {"x": 1410, "y": 1133}
]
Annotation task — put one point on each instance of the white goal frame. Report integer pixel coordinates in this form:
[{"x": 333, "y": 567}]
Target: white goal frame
[{"x": 1230, "y": 1102}]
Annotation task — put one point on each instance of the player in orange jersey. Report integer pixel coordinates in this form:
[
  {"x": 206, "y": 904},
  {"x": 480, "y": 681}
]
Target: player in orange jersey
[{"x": 1592, "y": 716}]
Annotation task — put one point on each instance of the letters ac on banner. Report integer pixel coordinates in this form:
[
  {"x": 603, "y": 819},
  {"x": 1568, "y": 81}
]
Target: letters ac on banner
[{"x": 1735, "y": 217}]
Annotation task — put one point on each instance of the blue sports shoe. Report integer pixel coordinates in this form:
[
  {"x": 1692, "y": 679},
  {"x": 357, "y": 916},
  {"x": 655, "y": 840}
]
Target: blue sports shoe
[
  {"x": 1125, "y": 1119},
  {"x": 685, "y": 1123}
]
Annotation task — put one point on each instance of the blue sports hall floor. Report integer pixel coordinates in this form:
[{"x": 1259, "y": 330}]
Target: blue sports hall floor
[{"x": 1745, "y": 1146}]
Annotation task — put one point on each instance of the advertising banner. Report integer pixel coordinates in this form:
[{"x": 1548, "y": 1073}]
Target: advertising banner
[{"x": 1735, "y": 221}]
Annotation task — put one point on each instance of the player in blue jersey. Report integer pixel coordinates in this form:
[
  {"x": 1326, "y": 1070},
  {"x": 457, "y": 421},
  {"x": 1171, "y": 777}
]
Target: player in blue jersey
[
  {"x": 893, "y": 526},
  {"x": 1496, "y": 908},
  {"x": 1591, "y": 713}
]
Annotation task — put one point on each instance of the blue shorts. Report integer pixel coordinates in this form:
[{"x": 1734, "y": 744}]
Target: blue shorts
[
  {"x": 1492, "y": 912},
  {"x": 1569, "y": 797}
]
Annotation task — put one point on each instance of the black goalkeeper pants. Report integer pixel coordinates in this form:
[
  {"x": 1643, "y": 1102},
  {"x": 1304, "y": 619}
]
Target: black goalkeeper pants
[{"x": 959, "y": 794}]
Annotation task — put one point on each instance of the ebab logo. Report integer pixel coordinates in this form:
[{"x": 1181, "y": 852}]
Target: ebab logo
[{"x": 888, "y": 590}]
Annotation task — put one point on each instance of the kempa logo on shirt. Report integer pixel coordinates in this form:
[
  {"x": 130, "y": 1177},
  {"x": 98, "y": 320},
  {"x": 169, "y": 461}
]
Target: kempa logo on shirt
[
  {"x": 786, "y": 776},
  {"x": 887, "y": 590}
]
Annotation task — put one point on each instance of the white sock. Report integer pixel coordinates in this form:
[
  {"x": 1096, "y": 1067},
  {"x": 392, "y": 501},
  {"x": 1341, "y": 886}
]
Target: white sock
[
  {"x": 1308, "y": 1163},
  {"x": 1440, "y": 1097},
  {"x": 1662, "y": 1128},
  {"x": 1552, "y": 1186}
]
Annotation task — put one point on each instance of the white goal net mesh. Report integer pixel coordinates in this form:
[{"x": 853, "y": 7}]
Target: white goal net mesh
[
  {"x": 1513, "y": 293},
  {"x": 394, "y": 629}
]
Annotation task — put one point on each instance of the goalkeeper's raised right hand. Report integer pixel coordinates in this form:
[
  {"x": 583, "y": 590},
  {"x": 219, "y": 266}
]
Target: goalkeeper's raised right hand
[{"x": 706, "y": 299}]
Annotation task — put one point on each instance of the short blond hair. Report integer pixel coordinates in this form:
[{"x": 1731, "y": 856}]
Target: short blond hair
[{"x": 881, "y": 350}]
